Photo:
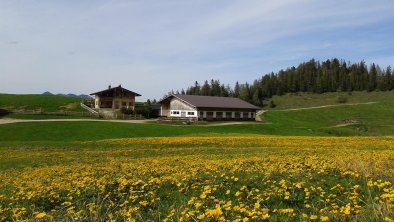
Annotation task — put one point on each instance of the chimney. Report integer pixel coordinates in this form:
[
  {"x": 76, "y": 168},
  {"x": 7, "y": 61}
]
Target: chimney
[
  {"x": 109, "y": 86},
  {"x": 120, "y": 85}
]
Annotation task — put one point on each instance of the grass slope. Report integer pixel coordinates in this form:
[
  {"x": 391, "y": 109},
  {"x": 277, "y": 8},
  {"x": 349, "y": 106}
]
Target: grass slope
[
  {"x": 47, "y": 103},
  {"x": 362, "y": 119},
  {"x": 365, "y": 119},
  {"x": 300, "y": 100}
]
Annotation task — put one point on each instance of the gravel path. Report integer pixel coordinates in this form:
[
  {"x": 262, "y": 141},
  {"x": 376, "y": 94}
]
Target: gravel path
[{"x": 9, "y": 121}]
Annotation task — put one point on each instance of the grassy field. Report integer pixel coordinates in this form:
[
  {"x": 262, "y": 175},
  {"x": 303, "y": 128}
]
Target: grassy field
[
  {"x": 365, "y": 119},
  {"x": 45, "y": 103},
  {"x": 323, "y": 164},
  {"x": 210, "y": 178},
  {"x": 301, "y": 100}
]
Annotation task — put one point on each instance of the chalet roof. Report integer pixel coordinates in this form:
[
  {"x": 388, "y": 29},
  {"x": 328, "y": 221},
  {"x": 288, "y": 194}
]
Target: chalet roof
[
  {"x": 213, "y": 102},
  {"x": 111, "y": 90}
]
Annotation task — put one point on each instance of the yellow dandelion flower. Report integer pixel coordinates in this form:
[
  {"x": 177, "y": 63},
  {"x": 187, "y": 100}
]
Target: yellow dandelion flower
[
  {"x": 324, "y": 218},
  {"x": 40, "y": 215}
]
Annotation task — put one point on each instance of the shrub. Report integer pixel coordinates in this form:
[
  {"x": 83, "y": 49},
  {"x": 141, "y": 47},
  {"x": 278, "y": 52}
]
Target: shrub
[
  {"x": 125, "y": 110},
  {"x": 272, "y": 104},
  {"x": 342, "y": 99}
]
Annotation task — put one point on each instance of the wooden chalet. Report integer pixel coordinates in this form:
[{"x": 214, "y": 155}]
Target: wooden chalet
[{"x": 115, "y": 98}]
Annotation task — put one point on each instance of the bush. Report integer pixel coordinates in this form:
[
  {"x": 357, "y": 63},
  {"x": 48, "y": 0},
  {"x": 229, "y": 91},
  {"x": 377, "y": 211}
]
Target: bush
[
  {"x": 272, "y": 104},
  {"x": 127, "y": 111},
  {"x": 342, "y": 99}
]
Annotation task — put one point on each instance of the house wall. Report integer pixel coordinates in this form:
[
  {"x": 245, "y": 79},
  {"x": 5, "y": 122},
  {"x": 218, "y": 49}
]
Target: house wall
[
  {"x": 226, "y": 114},
  {"x": 177, "y": 104},
  {"x": 177, "y": 108},
  {"x": 97, "y": 102},
  {"x": 115, "y": 102}
]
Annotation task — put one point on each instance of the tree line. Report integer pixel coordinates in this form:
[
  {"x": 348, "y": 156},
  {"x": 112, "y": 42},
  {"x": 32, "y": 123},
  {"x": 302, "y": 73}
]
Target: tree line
[{"x": 312, "y": 76}]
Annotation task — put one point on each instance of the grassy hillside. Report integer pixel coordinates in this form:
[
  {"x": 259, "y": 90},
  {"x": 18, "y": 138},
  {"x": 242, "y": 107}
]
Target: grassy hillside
[
  {"x": 300, "y": 100},
  {"x": 343, "y": 120},
  {"x": 363, "y": 119},
  {"x": 47, "y": 103}
]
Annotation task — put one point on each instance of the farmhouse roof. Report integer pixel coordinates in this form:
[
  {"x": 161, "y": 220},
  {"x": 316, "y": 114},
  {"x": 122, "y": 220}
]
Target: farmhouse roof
[
  {"x": 112, "y": 90},
  {"x": 213, "y": 101}
]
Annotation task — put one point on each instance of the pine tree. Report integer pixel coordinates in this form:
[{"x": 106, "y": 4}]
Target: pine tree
[
  {"x": 205, "y": 89},
  {"x": 389, "y": 79},
  {"x": 236, "y": 93},
  {"x": 373, "y": 75},
  {"x": 312, "y": 76},
  {"x": 196, "y": 89}
]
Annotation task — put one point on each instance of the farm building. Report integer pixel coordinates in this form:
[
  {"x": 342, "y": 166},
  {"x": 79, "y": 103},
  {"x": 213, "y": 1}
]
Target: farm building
[
  {"x": 115, "y": 98},
  {"x": 207, "y": 108}
]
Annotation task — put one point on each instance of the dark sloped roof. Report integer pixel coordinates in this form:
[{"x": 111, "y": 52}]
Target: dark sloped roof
[
  {"x": 110, "y": 91},
  {"x": 214, "y": 102}
]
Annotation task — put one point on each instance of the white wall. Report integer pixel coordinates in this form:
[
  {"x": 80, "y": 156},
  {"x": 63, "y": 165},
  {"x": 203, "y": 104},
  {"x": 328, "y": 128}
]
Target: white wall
[
  {"x": 177, "y": 104},
  {"x": 180, "y": 109},
  {"x": 183, "y": 113}
]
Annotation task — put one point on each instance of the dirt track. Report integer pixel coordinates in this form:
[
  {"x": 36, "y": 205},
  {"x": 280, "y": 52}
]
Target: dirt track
[
  {"x": 317, "y": 107},
  {"x": 9, "y": 121}
]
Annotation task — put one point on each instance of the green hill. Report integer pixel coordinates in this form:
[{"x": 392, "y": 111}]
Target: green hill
[
  {"x": 45, "y": 103},
  {"x": 302, "y": 100},
  {"x": 368, "y": 119},
  {"x": 363, "y": 113},
  {"x": 345, "y": 120}
]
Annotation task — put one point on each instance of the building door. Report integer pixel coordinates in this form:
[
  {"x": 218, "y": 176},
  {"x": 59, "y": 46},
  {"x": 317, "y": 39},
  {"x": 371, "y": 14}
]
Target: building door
[{"x": 183, "y": 114}]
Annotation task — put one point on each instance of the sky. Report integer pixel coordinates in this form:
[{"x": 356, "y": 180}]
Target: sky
[{"x": 152, "y": 47}]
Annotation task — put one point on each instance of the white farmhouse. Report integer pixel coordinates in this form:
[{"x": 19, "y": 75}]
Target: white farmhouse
[{"x": 207, "y": 108}]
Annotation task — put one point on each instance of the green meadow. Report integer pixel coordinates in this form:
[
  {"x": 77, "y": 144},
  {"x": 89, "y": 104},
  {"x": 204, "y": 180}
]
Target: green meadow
[{"x": 317, "y": 164}]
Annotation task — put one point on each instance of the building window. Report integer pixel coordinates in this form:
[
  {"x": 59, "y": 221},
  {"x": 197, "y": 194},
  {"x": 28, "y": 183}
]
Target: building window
[{"x": 190, "y": 113}]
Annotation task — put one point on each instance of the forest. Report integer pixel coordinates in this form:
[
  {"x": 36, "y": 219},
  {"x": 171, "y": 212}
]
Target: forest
[{"x": 312, "y": 76}]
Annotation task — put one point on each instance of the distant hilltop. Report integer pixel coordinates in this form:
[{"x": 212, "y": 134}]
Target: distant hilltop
[{"x": 82, "y": 96}]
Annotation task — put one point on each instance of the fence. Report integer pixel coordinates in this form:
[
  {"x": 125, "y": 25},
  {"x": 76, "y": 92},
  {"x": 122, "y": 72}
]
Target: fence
[
  {"x": 128, "y": 116},
  {"x": 58, "y": 113},
  {"x": 178, "y": 119},
  {"x": 90, "y": 110}
]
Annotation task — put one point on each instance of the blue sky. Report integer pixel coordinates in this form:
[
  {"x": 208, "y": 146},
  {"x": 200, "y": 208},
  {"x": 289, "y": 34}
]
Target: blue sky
[{"x": 151, "y": 47}]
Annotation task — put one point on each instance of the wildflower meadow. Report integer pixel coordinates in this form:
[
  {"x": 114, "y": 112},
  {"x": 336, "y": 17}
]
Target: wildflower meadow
[{"x": 201, "y": 178}]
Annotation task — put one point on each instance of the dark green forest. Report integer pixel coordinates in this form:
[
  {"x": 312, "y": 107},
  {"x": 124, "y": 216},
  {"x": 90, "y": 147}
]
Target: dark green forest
[{"x": 312, "y": 76}]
